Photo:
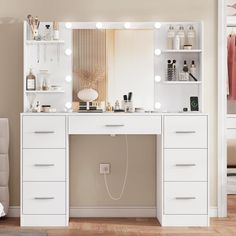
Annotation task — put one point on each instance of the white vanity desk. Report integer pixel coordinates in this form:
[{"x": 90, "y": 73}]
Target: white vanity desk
[
  {"x": 181, "y": 157},
  {"x": 182, "y": 138}
]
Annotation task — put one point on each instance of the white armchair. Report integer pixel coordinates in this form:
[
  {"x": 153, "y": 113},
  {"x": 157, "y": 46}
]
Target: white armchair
[{"x": 4, "y": 166}]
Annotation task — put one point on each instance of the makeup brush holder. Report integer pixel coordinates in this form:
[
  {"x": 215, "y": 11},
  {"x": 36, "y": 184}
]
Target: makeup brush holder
[{"x": 127, "y": 106}]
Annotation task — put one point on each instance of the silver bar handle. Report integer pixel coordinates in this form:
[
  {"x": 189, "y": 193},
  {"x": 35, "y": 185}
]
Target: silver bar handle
[
  {"x": 185, "y": 165},
  {"x": 185, "y": 198},
  {"x": 44, "y": 132},
  {"x": 44, "y": 198},
  {"x": 42, "y": 165},
  {"x": 115, "y": 125},
  {"x": 185, "y": 132}
]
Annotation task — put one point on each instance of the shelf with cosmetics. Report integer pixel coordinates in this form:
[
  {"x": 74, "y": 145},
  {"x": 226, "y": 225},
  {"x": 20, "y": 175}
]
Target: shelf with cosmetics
[
  {"x": 47, "y": 66},
  {"x": 178, "y": 66}
]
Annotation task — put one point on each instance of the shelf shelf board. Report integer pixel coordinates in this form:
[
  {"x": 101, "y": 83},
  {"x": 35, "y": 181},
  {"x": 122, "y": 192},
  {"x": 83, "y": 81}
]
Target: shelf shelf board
[
  {"x": 32, "y": 42},
  {"x": 181, "y": 82},
  {"x": 45, "y": 92},
  {"x": 182, "y": 51}
]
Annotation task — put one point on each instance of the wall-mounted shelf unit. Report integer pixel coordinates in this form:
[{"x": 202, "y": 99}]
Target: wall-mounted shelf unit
[
  {"x": 174, "y": 95},
  {"x": 50, "y": 55}
]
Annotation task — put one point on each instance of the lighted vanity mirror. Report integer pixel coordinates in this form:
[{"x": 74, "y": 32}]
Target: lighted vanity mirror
[{"x": 114, "y": 62}]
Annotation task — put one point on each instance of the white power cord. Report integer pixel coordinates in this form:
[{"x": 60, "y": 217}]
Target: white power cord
[{"x": 126, "y": 174}]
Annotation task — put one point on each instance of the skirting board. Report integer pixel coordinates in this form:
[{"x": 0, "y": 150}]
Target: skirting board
[{"x": 14, "y": 211}]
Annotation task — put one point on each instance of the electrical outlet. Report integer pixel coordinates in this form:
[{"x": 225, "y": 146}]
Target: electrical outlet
[{"x": 104, "y": 168}]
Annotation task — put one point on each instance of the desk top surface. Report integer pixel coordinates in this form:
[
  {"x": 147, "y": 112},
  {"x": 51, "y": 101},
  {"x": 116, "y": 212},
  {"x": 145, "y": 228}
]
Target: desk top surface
[{"x": 113, "y": 114}]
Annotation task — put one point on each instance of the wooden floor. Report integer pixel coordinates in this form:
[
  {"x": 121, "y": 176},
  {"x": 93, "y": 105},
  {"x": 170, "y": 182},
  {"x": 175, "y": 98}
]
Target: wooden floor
[{"x": 137, "y": 226}]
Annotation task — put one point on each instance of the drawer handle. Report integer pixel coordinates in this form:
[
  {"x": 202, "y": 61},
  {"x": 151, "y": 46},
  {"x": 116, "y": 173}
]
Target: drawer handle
[
  {"x": 43, "y": 165},
  {"x": 185, "y": 132},
  {"x": 115, "y": 125},
  {"x": 185, "y": 198},
  {"x": 179, "y": 165},
  {"x": 44, "y": 132},
  {"x": 44, "y": 198}
]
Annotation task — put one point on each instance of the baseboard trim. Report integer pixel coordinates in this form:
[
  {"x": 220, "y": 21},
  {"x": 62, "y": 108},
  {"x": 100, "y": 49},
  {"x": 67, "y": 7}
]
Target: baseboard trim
[
  {"x": 214, "y": 212},
  {"x": 14, "y": 211}
]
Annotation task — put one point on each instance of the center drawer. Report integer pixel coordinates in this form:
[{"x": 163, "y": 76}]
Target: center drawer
[
  {"x": 44, "y": 132},
  {"x": 185, "y": 131},
  {"x": 44, "y": 164},
  {"x": 115, "y": 124},
  {"x": 47, "y": 198}
]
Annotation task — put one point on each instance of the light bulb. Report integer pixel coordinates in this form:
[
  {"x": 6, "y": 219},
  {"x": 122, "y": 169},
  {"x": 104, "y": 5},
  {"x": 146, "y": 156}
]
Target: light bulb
[
  {"x": 68, "y": 78},
  {"x": 68, "y": 51},
  {"x": 127, "y": 25},
  {"x": 157, "y": 78},
  {"x": 157, "y": 105},
  {"x": 99, "y": 25},
  {"x": 157, "y": 52},
  {"x": 157, "y": 25},
  {"x": 68, "y": 25},
  {"x": 68, "y": 105}
]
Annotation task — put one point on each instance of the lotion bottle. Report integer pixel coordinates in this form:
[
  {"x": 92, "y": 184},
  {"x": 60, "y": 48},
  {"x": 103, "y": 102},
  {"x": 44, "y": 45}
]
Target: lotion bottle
[
  {"x": 191, "y": 36},
  {"x": 56, "y": 35},
  {"x": 181, "y": 34},
  {"x": 177, "y": 42},
  {"x": 170, "y": 37}
]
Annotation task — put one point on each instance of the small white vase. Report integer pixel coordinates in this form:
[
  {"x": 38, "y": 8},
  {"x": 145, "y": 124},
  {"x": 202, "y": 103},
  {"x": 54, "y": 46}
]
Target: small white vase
[{"x": 87, "y": 95}]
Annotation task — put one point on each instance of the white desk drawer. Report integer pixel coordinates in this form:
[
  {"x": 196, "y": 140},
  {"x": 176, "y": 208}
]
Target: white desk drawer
[
  {"x": 44, "y": 198},
  {"x": 185, "y": 132},
  {"x": 115, "y": 124},
  {"x": 44, "y": 164},
  {"x": 183, "y": 198},
  {"x": 44, "y": 132},
  {"x": 185, "y": 164}
]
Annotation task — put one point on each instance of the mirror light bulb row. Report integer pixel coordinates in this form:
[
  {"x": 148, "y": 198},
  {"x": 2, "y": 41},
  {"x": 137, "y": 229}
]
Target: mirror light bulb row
[{"x": 126, "y": 25}]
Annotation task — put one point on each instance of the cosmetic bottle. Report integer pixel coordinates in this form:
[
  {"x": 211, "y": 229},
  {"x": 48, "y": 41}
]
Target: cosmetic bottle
[
  {"x": 184, "y": 75},
  {"x": 47, "y": 33},
  {"x": 181, "y": 34},
  {"x": 55, "y": 30},
  {"x": 177, "y": 42},
  {"x": 185, "y": 67},
  {"x": 191, "y": 36},
  {"x": 169, "y": 71},
  {"x": 30, "y": 81},
  {"x": 174, "y": 72},
  {"x": 170, "y": 37},
  {"x": 193, "y": 71}
]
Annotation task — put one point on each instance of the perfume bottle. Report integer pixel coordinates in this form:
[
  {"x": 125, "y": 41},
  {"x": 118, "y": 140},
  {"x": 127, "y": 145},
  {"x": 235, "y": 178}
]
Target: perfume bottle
[{"x": 30, "y": 81}]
